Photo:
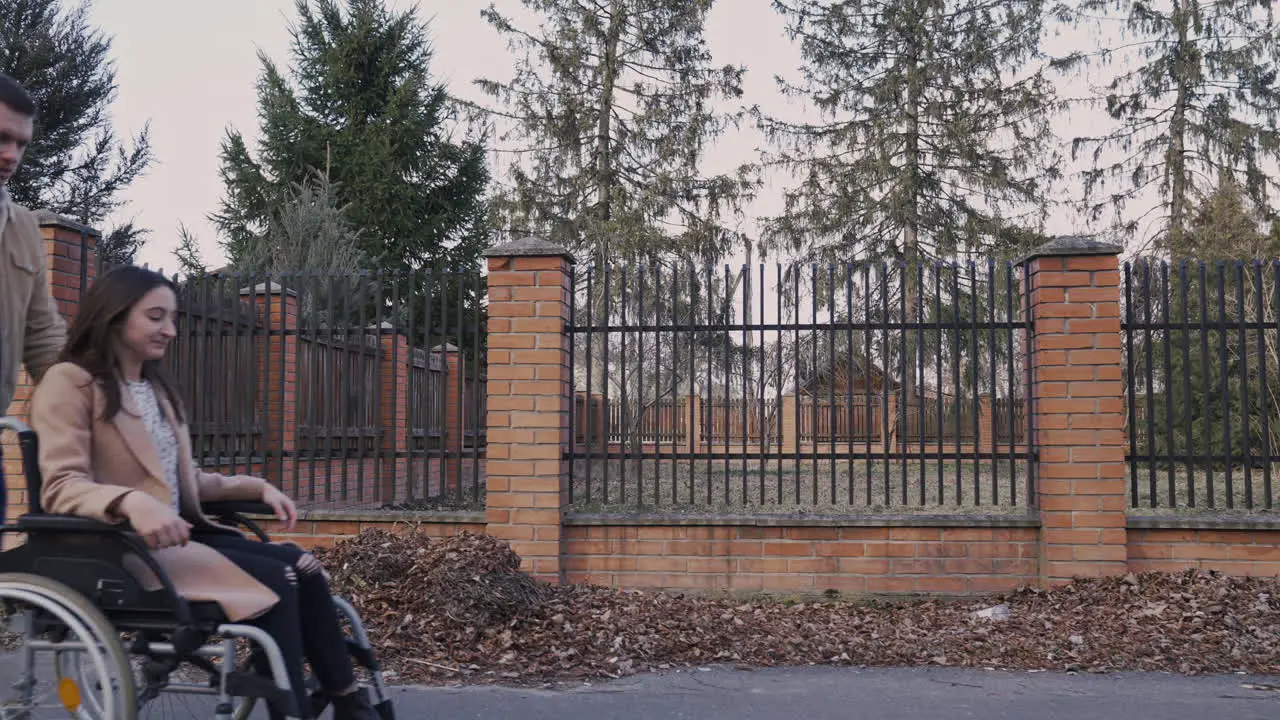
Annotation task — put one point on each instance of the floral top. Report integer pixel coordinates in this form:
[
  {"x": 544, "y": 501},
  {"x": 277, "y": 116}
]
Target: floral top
[{"x": 162, "y": 435}]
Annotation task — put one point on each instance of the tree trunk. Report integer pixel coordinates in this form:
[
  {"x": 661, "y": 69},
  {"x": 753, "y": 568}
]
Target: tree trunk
[
  {"x": 1176, "y": 165},
  {"x": 604, "y": 123},
  {"x": 911, "y": 228},
  {"x": 604, "y": 180}
]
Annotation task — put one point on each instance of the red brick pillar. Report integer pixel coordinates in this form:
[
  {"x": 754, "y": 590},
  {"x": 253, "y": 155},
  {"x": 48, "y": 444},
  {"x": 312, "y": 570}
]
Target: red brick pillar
[
  {"x": 277, "y": 307},
  {"x": 70, "y": 266},
  {"x": 790, "y": 418},
  {"x": 986, "y": 429},
  {"x": 393, "y": 475},
  {"x": 529, "y": 401},
  {"x": 454, "y": 417},
  {"x": 691, "y": 410},
  {"x": 1077, "y": 408},
  {"x": 889, "y": 432}
]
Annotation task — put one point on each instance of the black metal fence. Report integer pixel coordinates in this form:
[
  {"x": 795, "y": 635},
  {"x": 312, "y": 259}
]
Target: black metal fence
[
  {"x": 352, "y": 390},
  {"x": 1202, "y": 371},
  {"x": 871, "y": 388}
]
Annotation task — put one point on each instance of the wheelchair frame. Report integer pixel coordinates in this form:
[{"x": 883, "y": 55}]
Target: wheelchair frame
[{"x": 81, "y": 562}]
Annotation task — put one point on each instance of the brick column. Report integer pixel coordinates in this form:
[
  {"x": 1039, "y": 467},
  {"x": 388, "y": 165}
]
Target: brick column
[
  {"x": 692, "y": 414},
  {"x": 889, "y": 432},
  {"x": 454, "y": 420},
  {"x": 1077, "y": 408},
  {"x": 986, "y": 429},
  {"x": 277, "y": 306},
  {"x": 70, "y": 266},
  {"x": 394, "y": 421},
  {"x": 790, "y": 416},
  {"x": 529, "y": 401}
]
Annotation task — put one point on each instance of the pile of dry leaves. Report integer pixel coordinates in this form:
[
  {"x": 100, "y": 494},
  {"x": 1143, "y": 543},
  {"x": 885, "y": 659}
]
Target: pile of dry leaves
[{"x": 459, "y": 609}]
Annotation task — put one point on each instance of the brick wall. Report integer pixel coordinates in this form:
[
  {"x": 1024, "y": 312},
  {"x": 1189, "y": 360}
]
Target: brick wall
[
  {"x": 1247, "y": 552},
  {"x": 813, "y": 560},
  {"x": 323, "y": 529},
  {"x": 809, "y": 560}
]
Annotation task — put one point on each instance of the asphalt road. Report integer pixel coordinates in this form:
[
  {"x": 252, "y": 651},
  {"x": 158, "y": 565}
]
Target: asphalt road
[
  {"x": 843, "y": 693},
  {"x": 817, "y": 693}
]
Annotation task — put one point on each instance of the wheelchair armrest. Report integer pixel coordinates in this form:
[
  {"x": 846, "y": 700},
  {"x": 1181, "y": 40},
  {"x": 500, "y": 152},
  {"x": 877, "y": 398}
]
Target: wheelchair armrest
[
  {"x": 234, "y": 512},
  {"x": 74, "y": 524},
  {"x": 69, "y": 524},
  {"x": 236, "y": 507}
]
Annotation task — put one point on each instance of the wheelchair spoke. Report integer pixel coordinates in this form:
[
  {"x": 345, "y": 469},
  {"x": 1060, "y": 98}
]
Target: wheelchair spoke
[{"x": 50, "y": 628}]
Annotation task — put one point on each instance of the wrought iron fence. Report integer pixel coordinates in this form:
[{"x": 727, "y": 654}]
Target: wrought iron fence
[
  {"x": 348, "y": 390},
  {"x": 871, "y": 388},
  {"x": 218, "y": 345},
  {"x": 1202, "y": 373}
]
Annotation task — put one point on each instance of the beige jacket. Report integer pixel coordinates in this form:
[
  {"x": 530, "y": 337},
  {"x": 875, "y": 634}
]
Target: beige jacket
[
  {"x": 32, "y": 331},
  {"x": 88, "y": 464}
]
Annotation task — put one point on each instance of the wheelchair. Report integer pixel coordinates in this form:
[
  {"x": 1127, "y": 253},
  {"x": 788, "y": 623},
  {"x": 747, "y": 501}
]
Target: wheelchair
[{"x": 113, "y": 647}]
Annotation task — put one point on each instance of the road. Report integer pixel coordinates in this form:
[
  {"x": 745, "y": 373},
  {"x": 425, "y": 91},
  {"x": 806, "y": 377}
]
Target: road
[{"x": 884, "y": 694}]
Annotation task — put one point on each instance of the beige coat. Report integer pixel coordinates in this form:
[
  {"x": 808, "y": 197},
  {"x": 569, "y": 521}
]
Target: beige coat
[
  {"x": 88, "y": 464},
  {"x": 32, "y": 331}
]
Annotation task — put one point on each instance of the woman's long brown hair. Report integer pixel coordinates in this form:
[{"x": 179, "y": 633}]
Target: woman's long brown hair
[{"x": 99, "y": 320}]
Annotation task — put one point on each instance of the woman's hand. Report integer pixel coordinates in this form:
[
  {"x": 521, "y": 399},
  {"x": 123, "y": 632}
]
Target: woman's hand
[
  {"x": 157, "y": 523},
  {"x": 281, "y": 505}
]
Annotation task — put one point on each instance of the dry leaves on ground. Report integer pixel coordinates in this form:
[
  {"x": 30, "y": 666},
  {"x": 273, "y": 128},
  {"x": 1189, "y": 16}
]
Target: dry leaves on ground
[{"x": 460, "y": 609}]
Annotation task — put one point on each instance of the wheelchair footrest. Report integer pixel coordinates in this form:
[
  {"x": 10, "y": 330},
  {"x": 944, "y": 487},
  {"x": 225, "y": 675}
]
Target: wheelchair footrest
[{"x": 253, "y": 685}]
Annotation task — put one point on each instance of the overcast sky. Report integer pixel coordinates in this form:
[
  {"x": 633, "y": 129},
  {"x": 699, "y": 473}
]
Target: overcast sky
[{"x": 189, "y": 67}]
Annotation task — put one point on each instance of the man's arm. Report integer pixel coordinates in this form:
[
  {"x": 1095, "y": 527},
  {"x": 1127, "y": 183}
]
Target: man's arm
[{"x": 46, "y": 330}]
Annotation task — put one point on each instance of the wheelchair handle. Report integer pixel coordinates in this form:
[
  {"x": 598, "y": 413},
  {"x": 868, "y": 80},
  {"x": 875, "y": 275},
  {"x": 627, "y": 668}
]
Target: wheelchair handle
[{"x": 30, "y": 450}]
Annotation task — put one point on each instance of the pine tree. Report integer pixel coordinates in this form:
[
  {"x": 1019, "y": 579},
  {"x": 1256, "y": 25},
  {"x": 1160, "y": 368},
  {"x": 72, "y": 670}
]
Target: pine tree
[
  {"x": 77, "y": 166},
  {"x": 928, "y": 146},
  {"x": 1210, "y": 390},
  {"x": 610, "y": 112},
  {"x": 931, "y": 145},
  {"x": 1195, "y": 98},
  {"x": 362, "y": 108}
]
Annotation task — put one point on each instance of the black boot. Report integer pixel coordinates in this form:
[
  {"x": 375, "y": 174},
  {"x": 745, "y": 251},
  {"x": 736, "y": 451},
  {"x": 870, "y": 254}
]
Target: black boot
[{"x": 353, "y": 706}]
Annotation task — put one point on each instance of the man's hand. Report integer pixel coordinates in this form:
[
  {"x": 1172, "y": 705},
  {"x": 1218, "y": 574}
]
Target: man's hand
[
  {"x": 157, "y": 523},
  {"x": 281, "y": 505}
]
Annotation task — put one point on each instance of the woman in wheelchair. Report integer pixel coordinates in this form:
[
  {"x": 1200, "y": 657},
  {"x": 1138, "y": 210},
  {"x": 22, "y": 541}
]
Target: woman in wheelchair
[{"x": 114, "y": 447}]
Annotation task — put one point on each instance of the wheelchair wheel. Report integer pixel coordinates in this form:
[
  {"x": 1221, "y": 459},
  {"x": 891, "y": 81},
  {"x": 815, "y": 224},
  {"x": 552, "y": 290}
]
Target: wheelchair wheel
[{"x": 50, "y": 618}]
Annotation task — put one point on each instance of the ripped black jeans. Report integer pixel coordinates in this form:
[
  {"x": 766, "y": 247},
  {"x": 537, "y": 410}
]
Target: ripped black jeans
[{"x": 304, "y": 623}]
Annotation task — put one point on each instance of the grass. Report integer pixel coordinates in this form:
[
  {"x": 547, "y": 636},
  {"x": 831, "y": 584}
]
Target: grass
[
  {"x": 816, "y": 488},
  {"x": 748, "y": 486},
  {"x": 1183, "y": 491}
]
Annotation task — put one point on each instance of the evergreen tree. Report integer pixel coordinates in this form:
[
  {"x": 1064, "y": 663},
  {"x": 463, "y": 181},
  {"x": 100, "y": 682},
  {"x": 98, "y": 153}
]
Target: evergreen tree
[
  {"x": 1218, "y": 386},
  {"x": 362, "y": 108},
  {"x": 931, "y": 145},
  {"x": 610, "y": 114},
  {"x": 928, "y": 146},
  {"x": 310, "y": 233},
  {"x": 1195, "y": 97},
  {"x": 77, "y": 166}
]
